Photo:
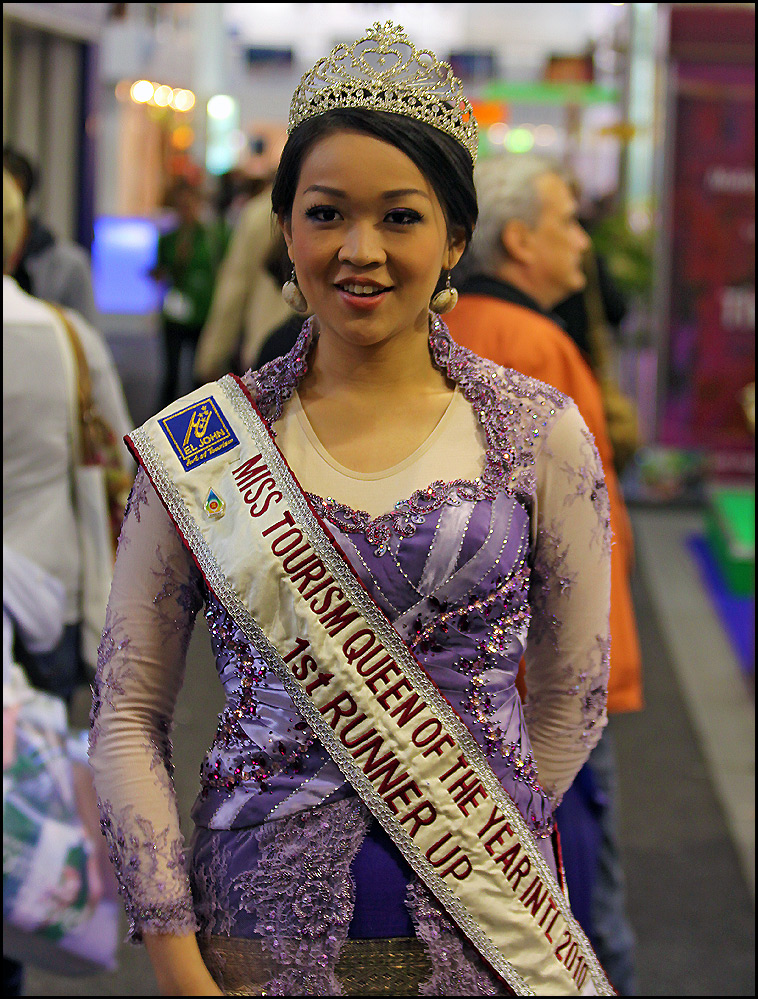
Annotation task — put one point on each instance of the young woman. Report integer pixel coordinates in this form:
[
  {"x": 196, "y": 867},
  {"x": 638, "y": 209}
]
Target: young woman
[{"x": 373, "y": 799}]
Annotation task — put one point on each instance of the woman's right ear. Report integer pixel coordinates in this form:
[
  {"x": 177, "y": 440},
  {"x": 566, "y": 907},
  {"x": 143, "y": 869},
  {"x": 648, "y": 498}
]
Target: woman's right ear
[{"x": 285, "y": 224}]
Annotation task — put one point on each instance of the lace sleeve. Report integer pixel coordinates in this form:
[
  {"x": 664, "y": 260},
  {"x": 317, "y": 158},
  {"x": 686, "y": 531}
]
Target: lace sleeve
[
  {"x": 155, "y": 597},
  {"x": 568, "y": 649}
]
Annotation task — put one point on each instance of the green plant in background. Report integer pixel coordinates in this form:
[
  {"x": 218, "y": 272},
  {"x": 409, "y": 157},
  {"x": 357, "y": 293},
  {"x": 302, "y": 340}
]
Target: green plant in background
[{"x": 628, "y": 253}]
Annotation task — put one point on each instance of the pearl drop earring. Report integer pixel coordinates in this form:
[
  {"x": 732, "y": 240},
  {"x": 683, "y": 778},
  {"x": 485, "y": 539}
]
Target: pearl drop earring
[
  {"x": 445, "y": 300},
  {"x": 293, "y": 296}
]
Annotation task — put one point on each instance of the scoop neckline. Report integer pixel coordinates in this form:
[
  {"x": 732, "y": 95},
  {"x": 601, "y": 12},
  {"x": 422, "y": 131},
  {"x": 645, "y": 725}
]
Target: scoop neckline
[{"x": 385, "y": 473}]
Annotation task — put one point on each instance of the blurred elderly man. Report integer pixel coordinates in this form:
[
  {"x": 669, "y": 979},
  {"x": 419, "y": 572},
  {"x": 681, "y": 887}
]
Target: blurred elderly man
[{"x": 525, "y": 258}]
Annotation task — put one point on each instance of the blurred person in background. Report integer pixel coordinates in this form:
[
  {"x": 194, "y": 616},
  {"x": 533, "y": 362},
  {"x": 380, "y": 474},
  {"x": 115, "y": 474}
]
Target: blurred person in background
[
  {"x": 247, "y": 302},
  {"x": 47, "y": 266},
  {"x": 34, "y": 604},
  {"x": 39, "y": 519},
  {"x": 525, "y": 257},
  {"x": 33, "y": 611},
  {"x": 235, "y": 189},
  {"x": 592, "y": 317},
  {"x": 40, "y": 540},
  {"x": 189, "y": 256},
  {"x": 283, "y": 337},
  {"x": 573, "y": 313}
]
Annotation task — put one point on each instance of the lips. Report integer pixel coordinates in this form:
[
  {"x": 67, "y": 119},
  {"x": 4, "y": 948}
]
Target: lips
[
  {"x": 362, "y": 295},
  {"x": 362, "y": 289}
]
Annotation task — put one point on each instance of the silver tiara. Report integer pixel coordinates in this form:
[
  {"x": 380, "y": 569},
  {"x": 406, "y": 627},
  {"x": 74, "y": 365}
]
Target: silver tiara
[{"x": 384, "y": 71}]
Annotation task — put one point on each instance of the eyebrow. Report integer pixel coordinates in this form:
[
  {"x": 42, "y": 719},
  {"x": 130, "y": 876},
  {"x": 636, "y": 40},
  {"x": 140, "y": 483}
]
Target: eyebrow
[{"x": 335, "y": 192}]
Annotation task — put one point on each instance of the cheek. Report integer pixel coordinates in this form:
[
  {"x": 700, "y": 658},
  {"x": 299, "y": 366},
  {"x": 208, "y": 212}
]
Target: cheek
[
  {"x": 311, "y": 253},
  {"x": 420, "y": 259},
  {"x": 563, "y": 248}
]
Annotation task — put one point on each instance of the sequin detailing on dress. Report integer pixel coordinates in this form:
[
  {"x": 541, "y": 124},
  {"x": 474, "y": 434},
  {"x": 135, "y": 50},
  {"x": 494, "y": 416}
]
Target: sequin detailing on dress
[
  {"x": 406, "y": 516},
  {"x": 458, "y": 969},
  {"x": 243, "y": 751},
  {"x": 273, "y": 385},
  {"x": 140, "y": 857},
  {"x": 304, "y": 894}
]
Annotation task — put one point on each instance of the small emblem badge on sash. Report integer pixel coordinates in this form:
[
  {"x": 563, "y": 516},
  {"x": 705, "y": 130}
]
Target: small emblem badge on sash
[
  {"x": 214, "y": 506},
  {"x": 198, "y": 433}
]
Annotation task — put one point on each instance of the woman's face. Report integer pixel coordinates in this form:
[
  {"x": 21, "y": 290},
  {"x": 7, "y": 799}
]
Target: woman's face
[{"x": 368, "y": 239}]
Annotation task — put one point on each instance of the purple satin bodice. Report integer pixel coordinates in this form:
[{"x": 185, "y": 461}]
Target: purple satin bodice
[{"x": 457, "y": 592}]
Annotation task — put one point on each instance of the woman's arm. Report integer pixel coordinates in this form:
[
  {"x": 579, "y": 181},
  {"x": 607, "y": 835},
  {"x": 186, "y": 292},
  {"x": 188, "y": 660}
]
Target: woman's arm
[
  {"x": 179, "y": 966},
  {"x": 568, "y": 650},
  {"x": 154, "y": 600}
]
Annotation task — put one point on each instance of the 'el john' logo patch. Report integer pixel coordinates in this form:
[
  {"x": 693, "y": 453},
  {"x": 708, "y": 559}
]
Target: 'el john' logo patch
[{"x": 198, "y": 433}]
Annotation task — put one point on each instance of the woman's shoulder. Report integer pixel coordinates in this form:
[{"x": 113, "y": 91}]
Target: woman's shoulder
[
  {"x": 513, "y": 392},
  {"x": 276, "y": 380},
  {"x": 529, "y": 424}
]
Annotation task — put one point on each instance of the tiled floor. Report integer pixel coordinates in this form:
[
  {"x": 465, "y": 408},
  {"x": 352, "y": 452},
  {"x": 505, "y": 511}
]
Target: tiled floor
[
  {"x": 717, "y": 699},
  {"x": 686, "y": 787}
]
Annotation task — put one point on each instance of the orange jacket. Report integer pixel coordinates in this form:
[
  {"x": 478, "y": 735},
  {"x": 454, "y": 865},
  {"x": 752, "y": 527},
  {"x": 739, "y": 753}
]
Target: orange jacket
[{"x": 520, "y": 338}]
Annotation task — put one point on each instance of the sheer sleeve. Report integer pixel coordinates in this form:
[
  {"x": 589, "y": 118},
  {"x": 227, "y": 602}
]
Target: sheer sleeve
[
  {"x": 568, "y": 648},
  {"x": 155, "y": 597}
]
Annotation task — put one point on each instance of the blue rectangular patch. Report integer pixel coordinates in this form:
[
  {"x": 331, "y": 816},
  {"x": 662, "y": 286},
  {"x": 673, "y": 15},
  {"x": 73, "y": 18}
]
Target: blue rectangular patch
[{"x": 198, "y": 433}]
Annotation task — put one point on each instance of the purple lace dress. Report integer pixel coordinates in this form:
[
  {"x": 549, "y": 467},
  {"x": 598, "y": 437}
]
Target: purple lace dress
[{"x": 474, "y": 575}]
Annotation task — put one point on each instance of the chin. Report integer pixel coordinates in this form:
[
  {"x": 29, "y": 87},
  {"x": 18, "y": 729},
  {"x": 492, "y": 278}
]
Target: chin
[
  {"x": 362, "y": 331},
  {"x": 371, "y": 328},
  {"x": 580, "y": 282}
]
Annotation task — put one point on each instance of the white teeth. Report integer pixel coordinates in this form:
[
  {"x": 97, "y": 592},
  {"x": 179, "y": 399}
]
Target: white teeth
[{"x": 360, "y": 289}]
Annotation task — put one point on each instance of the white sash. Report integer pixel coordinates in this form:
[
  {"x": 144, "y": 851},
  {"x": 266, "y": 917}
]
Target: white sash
[{"x": 278, "y": 571}]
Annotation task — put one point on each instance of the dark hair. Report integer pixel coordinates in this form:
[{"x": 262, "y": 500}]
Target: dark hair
[
  {"x": 441, "y": 159},
  {"x": 22, "y": 170}
]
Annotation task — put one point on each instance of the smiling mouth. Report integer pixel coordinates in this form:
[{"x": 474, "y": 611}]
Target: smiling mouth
[{"x": 362, "y": 290}]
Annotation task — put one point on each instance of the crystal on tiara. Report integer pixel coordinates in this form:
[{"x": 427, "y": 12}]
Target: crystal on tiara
[{"x": 384, "y": 71}]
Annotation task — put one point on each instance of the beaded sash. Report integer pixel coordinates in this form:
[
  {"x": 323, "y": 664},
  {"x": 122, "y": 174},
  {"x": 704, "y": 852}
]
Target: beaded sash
[{"x": 408, "y": 755}]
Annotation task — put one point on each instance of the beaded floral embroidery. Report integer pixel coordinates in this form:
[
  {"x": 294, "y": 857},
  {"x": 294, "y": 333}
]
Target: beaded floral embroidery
[
  {"x": 137, "y": 497},
  {"x": 111, "y": 661},
  {"x": 304, "y": 894},
  {"x": 457, "y": 968},
  {"x": 550, "y": 581},
  {"x": 138, "y": 856}
]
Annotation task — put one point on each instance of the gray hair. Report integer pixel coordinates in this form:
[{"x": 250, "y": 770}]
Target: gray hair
[{"x": 506, "y": 189}]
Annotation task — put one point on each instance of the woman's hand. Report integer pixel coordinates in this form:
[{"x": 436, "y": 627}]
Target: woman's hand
[{"x": 179, "y": 966}]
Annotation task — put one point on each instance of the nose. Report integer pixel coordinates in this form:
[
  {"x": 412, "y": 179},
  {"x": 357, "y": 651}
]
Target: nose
[
  {"x": 583, "y": 239},
  {"x": 361, "y": 246}
]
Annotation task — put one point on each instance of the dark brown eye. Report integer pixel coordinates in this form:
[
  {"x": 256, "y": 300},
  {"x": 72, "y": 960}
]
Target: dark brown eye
[
  {"x": 403, "y": 216},
  {"x": 322, "y": 213}
]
